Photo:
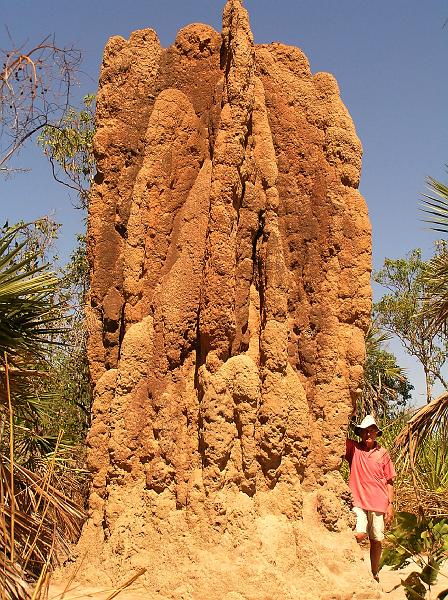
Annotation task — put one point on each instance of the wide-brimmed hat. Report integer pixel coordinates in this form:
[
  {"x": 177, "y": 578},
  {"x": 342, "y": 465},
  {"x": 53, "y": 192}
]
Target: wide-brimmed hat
[{"x": 367, "y": 422}]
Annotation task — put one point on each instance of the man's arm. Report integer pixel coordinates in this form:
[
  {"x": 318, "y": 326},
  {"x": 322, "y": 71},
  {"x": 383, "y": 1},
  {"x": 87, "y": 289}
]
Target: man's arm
[
  {"x": 349, "y": 448},
  {"x": 390, "y": 509}
]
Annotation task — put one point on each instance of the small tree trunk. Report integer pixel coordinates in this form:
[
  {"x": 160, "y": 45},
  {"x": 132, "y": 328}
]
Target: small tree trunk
[{"x": 428, "y": 387}]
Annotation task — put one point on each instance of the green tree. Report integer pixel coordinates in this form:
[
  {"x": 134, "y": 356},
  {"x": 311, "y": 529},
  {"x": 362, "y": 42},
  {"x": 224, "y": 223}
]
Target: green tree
[
  {"x": 386, "y": 387},
  {"x": 72, "y": 381},
  {"x": 38, "y": 317},
  {"x": 69, "y": 147},
  {"x": 422, "y": 542},
  {"x": 399, "y": 313}
]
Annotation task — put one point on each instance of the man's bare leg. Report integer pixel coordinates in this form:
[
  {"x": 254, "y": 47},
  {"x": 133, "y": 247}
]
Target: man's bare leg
[{"x": 375, "y": 556}]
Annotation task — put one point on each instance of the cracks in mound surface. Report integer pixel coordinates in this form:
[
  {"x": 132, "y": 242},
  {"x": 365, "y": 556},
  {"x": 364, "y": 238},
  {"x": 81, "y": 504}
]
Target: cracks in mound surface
[
  {"x": 226, "y": 55},
  {"x": 257, "y": 275},
  {"x": 122, "y": 329}
]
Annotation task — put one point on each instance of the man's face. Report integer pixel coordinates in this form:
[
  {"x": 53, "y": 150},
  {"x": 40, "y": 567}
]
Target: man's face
[{"x": 369, "y": 435}]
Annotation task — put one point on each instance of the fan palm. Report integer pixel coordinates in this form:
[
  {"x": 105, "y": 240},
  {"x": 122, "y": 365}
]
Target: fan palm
[
  {"x": 34, "y": 513},
  {"x": 27, "y": 311},
  {"x": 435, "y": 206}
]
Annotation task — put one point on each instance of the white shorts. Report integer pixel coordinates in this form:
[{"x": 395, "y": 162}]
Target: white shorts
[{"x": 370, "y": 522}]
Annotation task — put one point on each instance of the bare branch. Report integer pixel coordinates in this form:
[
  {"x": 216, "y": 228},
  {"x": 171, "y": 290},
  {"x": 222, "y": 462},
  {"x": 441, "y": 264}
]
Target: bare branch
[{"x": 35, "y": 84}]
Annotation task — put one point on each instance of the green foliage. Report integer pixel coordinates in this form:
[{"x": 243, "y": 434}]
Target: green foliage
[
  {"x": 34, "y": 455},
  {"x": 399, "y": 313},
  {"x": 28, "y": 315},
  {"x": 403, "y": 277},
  {"x": 69, "y": 147},
  {"x": 51, "y": 390},
  {"x": 36, "y": 239},
  {"x": 391, "y": 427},
  {"x": 75, "y": 275},
  {"x": 31, "y": 327},
  {"x": 435, "y": 306},
  {"x": 419, "y": 540},
  {"x": 386, "y": 387},
  {"x": 432, "y": 463},
  {"x": 43, "y": 367},
  {"x": 72, "y": 383},
  {"x": 27, "y": 284},
  {"x": 42, "y": 332}
]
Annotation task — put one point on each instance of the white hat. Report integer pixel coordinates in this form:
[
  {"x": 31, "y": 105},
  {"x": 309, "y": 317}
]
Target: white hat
[{"x": 367, "y": 422}]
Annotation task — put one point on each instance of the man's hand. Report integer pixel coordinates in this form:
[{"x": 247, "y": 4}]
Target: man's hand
[
  {"x": 389, "y": 515},
  {"x": 390, "y": 509}
]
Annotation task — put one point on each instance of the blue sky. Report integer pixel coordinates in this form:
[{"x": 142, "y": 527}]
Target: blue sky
[{"x": 389, "y": 57}]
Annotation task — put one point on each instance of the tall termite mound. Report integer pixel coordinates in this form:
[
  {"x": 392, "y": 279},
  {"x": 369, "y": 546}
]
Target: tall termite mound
[{"x": 230, "y": 260}]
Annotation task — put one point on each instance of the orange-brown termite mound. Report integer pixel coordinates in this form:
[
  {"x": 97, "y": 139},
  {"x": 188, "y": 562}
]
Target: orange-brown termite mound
[{"x": 230, "y": 260}]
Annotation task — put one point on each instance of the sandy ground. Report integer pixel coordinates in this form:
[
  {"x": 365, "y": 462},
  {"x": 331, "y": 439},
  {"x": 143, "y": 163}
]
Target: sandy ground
[{"x": 388, "y": 581}]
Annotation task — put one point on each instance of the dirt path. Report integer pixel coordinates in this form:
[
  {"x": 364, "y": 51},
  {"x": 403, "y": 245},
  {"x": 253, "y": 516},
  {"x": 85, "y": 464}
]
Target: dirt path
[{"x": 388, "y": 581}]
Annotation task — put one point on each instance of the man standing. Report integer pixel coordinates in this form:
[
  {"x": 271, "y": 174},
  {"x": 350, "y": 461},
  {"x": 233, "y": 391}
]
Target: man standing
[{"x": 371, "y": 485}]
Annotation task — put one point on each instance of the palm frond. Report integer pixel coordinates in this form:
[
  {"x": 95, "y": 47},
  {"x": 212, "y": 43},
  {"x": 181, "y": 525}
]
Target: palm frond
[
  {"x": 42, "y": 518},
  {"x": 375, "y": 336},
  {"x": 426, "y": 421},
  {"x": 435, "y": 305},
  {"x": 12, "y": 580},
  {"x": 28, "y": 315},
  {"x": 436, "y": 205},
  {"x": 30, "y": 398}
]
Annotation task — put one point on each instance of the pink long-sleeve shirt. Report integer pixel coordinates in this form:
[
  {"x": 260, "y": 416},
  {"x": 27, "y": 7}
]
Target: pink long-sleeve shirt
[{"x": 370, "y": 470}]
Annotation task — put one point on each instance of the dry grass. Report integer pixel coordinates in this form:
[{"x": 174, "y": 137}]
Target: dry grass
[
  {"x": 36, "y": 519},
  {"x": 424, "y": 501},
  {"x": 420, "y": 450}
]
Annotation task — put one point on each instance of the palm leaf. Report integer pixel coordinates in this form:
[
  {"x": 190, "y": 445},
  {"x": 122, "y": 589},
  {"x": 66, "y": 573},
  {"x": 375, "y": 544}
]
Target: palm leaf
[
  {"x": 435, "y": 306},
  {"x": 427, "y": 420},
  {"x": 12, "y": 580},
  {"x": 436, "y": 206},
  {"x": 28, "y": 315},
  {"x": 30, "y": 399}
]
